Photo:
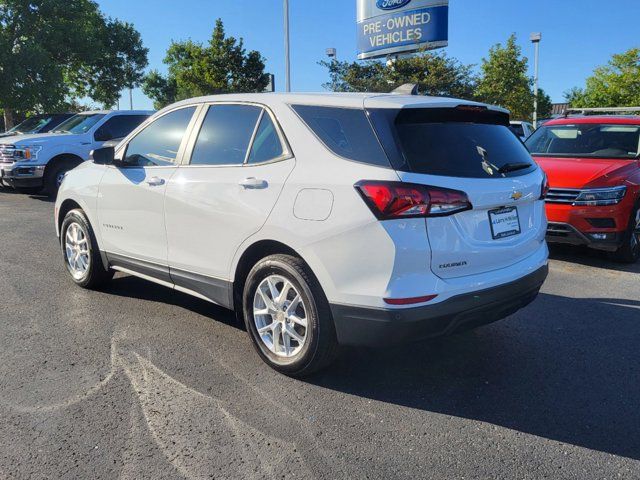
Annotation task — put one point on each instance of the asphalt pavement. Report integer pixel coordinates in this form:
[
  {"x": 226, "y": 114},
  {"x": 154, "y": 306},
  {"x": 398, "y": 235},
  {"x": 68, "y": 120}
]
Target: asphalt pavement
[{"x": 139, "y": 381}]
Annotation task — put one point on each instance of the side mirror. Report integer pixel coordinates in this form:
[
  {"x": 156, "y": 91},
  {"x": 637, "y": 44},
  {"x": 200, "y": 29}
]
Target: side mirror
[{"x": 103, "y": 156}]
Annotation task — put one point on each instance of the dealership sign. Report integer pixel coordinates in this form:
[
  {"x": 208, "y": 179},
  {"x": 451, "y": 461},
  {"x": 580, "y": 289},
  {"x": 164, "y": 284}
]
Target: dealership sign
[{"x": 392, "y": 27}]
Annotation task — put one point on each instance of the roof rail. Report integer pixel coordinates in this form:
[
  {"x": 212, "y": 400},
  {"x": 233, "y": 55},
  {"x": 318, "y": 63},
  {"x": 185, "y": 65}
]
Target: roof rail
[{"x": 587, "y": 111}]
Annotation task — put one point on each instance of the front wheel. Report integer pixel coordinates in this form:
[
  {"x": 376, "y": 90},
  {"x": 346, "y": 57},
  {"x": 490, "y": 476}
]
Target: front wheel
[
  {"x": 288, "y": 316},
  {"x": 80, "y": 252},
  {"x": 54, "y": 174},
  {"x": 629, "y": 252}
]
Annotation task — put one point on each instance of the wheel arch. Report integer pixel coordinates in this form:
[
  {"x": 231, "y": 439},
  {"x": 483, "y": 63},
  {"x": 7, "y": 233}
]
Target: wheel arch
[
  {"x": 65, "y": 208},
  {"x": 249, "y": 257},
  {"x": 62, "y": 157},
  {"x": 70, "y": 204}
]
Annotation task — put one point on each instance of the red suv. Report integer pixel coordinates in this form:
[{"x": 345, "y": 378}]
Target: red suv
[{"x": 593, "y": 169}]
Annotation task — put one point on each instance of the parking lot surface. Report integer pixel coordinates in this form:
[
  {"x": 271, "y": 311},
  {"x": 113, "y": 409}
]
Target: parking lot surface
[{"x": 139, "y": 381}]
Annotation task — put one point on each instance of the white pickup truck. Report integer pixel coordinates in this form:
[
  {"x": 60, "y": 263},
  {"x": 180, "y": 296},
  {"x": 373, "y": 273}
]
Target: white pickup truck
[{"x": 40, "y": 161}]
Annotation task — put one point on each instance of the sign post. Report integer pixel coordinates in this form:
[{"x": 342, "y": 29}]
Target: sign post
[{"x": 394, "y": 27}]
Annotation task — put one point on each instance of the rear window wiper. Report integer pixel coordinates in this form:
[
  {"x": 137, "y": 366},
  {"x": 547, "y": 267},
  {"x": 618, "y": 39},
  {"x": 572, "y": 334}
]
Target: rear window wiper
[{"x": 512, "y": 167}]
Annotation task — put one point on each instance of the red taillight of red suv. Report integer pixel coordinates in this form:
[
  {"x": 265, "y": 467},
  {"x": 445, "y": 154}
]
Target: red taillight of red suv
[{"x": 392, "y": 200}]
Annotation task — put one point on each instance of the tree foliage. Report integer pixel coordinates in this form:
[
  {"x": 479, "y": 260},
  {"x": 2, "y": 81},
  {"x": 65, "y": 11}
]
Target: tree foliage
[
  {"x": 616, "y": 84},
  {"x": 434, "y": 73},
  {"x": 54, "y": 50},
  {"x": 221, "y": 66},
  {"x": 545, "y": 105},
  {"x": 504, "y": 80}
]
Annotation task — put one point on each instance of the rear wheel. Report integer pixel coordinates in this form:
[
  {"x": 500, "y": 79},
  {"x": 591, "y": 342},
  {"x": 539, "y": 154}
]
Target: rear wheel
[
  {"x": 80, "y": 252},
  {"x": 629, "y": 252},
  {"x": 288, "y": 316}
]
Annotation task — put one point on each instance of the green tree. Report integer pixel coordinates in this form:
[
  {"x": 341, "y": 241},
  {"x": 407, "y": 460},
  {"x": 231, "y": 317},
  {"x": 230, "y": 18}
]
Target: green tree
[
  {"x": 54, "y": 50},
  {"x": 545, "y": 105},
  {"x": 504, "y": 80},
  {"x": 434, "y": 73},
  {"x": 616, "y": 84},
  {"x": 221, "y": 66},
  {"x": 121, "y": 64}
]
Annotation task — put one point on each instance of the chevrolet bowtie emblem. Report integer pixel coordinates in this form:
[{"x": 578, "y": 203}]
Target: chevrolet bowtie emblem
[{"x": 516, "y": 195}]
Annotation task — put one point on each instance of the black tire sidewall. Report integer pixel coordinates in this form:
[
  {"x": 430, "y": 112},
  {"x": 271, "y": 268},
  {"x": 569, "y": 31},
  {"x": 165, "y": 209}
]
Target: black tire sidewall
[
  {"x": 625, "y": 253},
  {"x": 633, "y": 256},
  {"x": 50, "y": 184},
  {"x": 77, "y": 216},
  {"x": 274, "y": 266}
]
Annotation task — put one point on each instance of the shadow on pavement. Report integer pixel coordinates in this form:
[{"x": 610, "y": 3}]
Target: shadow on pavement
[
  {"x": 590, "y": 258},
  {"x": 563, "y": 369},
  {"x": 133, "y": 287},
  {"x": 551, "y": 370}
]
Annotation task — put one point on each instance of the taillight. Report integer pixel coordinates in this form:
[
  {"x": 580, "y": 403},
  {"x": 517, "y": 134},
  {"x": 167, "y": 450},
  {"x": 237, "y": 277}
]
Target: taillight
[
  {"x": 545, "y": 187},
  {"x": 392, "y": 200},
  {"x": 409, "y": 301}
]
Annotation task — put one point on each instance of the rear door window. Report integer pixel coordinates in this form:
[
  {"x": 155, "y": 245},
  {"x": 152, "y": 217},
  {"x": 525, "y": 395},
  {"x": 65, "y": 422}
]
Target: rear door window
[
  {"x": 345, "y": 131},
  {"x": 225, "y": 135},
  {"x": 266, "y": 143}
]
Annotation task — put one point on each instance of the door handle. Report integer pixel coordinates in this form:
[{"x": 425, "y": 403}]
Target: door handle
[
  {"x": 253, "y": 182},
  {"x": 155, "y": 181}
]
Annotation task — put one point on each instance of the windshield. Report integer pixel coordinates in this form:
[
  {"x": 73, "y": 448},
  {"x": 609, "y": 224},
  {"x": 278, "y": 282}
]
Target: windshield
[
  {"x": 79, "y": 123},
  {"x": 31, "y": 124},
  {"x": 586, "y": 140}
]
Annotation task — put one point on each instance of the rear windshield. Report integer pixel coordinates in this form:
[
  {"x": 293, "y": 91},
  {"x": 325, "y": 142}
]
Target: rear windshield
[
  {"x": 453, "y": 142},
  {"x": 586, "y": 140}
]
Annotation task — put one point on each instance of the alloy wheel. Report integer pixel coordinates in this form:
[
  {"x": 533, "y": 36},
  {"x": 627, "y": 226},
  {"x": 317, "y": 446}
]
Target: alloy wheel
[
  {"x": 280, "y": 316},
  {"x": 77, "y": 250}
]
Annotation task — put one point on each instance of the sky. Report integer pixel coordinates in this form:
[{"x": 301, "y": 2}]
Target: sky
[{"x": 577, "y": 35}]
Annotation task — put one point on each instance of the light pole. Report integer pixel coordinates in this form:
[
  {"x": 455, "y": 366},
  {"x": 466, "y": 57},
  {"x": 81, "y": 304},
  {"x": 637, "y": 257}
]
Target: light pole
[
  {"x": 535, "y": 39},
  {"x": 287, "y": 64}
]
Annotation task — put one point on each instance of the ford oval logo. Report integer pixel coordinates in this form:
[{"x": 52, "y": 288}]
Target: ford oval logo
[{"x": 392, "y": 4}]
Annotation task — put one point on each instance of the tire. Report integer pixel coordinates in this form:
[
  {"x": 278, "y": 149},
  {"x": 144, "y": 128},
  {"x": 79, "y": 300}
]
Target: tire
[
  {"x": 76, "y": 228},
  {"x": 319, "y": 346},
  {"x": 54, "y": 173},
  {"x": 629, "y": 252}
]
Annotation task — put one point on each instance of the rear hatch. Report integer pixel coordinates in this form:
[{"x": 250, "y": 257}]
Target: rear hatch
[{"x": 471, "y": 149}]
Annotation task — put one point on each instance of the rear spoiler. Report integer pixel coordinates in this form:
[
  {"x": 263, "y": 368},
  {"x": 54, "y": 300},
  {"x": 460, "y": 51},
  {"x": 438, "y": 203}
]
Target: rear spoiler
[{"x": 466, "y": 113}]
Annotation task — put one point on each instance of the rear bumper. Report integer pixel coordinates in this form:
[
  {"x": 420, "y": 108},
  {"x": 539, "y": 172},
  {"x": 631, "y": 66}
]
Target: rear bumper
[{"x": 376, "y": 327}]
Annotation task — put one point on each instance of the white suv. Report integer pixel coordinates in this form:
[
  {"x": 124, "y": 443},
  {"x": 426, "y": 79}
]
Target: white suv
[
  {"x": 37, "y": 161},
  {"x": 321, "y": 219}
]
